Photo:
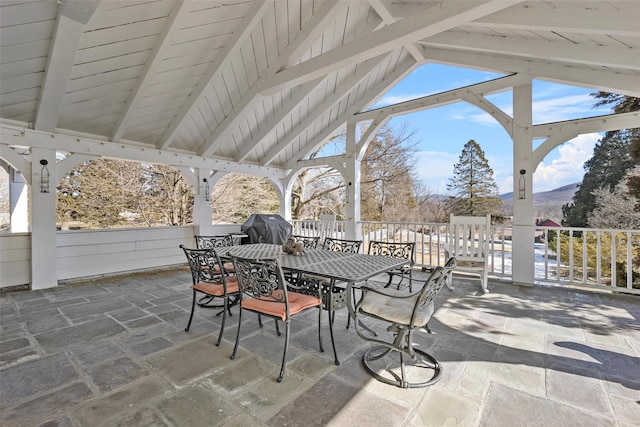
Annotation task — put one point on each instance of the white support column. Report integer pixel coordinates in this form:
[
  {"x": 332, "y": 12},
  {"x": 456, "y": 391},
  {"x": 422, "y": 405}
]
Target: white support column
[
  {"x": 43, "y": 222},
  {"x": 352, "y": 183},
  {"x": 202, "y": 208},
  {"x": 285, "y": 202},
  {"x": 523, "y": 257},
  {"x": 18, "y": 202}
]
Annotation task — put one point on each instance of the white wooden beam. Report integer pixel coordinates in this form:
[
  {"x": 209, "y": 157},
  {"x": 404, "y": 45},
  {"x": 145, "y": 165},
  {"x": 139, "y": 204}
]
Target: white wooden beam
[
  {"x": 175, "y": 18},
  {"x": 606, "y": 56},
  {"x": 443, "y": 98},
  {"x": 10, "y": 135},
  {"x": 340, "y": 92},
  {"x": 590, "y": 125},
  {"x": 300, "y": 43},
  {"x": 608, "y": 22},
  {"x": 16, "y": 160},
  {"x": 72, "y": 17},
  {"x": 604, "y": 80},
  {"x": 434, "y": 20},
  {"x": 242, "y": 33},
  {"x": 560, "y": 132},
  {"x": 384, "y": 13},
  {"x": 401, "y": 71}
]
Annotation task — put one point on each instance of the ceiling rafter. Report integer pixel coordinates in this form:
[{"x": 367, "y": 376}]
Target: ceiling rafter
[
  {"x": 277, "y": 117},
  {"x": 175, "y": 18},
  {"x": 72, "y": 17},
  {"x": 302, "y": 41},
  {"x": 388, "y": 19},
  {"x": 401, "y": 71},
  {"x": 340, "y": 92},
  {"x": 603, "y": 80},
  {"x": 431, "y": 21},
  {"x": 242, "y": 33},
  {"x": 607, "y": 56},
  {"x": 604, "y": 22}
]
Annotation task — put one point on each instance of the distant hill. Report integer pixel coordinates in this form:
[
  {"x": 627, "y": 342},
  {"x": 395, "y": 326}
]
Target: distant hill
[{"x": 546, "y": 204}]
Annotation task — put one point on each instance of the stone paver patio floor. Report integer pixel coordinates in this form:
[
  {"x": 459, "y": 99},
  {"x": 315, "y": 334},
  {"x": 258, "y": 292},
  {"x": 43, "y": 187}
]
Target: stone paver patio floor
[{"x": 113, "y": 352}]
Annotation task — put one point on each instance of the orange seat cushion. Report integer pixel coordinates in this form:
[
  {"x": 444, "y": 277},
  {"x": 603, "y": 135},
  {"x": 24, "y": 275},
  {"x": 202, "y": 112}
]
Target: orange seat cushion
[
  {"x": 297, "y": 303},
  {"x": 216, "y": 288}
]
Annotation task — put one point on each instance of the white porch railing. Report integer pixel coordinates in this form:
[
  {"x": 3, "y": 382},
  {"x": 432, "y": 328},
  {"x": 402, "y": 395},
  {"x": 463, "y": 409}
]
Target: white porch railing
[{"x": 570, "y": 256}]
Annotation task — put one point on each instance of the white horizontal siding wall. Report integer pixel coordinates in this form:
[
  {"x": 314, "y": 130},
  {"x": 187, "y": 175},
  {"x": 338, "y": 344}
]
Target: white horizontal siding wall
[
  {"x": 86, "y": 253},
  {"x": 15, "y": 259},
  {"x": 90, "y": 253}
]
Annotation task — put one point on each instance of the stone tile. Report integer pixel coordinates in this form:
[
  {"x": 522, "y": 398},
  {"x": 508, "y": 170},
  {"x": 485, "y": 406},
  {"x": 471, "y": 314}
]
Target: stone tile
[
  {"x": 146, "y": 417},
  {"x": 508, "y": 407},
  {"x": 128, "y": 314},
  {"x": 151, "y": 346},
  {"x": 62, "y": 420},
  {"x": 327, "y": 397},
  {"x": 198, "y": 406},
  {"x": 242, "y": 375},
  {"x": 44, "y": 406},
  {"x": 96, "y": 352},
  {"x": 77, "y": 334},
  {"x": 11, "y": 332},
  {"x": 267, "y": 397},
  {"x": 122, "y": 404},
  {"x": 93, "y": 308},
  {"x": 443, "y": 408},
  {"x": 626, "y": 410},
  {"x": 15, "y": 344},
  {"x": 114, "y": 373},
  {"x": 143, "y": 322},
  {"x": 43, "y": 322},
  {"x": 516, "y": 376},
  {"x": 311, "y": 366},
  {"x": 190, "y": 361},
  {"x": 366, "y": 409},
  {"x": 571, "y": 386},
  {"x": 24, "y": 381},
  {"x": 18, "y": 356}
]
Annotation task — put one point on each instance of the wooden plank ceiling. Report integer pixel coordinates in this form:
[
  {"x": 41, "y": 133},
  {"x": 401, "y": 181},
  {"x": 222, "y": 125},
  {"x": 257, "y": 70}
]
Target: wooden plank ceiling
[{"x": 267, "y": 82}]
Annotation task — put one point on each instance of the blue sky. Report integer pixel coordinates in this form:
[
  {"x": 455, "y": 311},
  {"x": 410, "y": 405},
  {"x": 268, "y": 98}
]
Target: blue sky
[{"x": 442, "y": 132}]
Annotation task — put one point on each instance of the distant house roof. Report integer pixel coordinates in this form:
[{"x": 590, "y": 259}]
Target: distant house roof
[{"x": 547, "y": 223}]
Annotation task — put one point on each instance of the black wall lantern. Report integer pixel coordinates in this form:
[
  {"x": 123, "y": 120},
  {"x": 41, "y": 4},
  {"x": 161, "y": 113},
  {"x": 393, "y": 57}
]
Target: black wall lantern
[
  {"x": 522, "y": 187},
  {"x": 44, "y": 177},
  {"x": 206, "y": 189}
]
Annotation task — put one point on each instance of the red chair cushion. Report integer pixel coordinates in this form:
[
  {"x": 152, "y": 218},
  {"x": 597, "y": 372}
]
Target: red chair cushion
[
  {"x": 297, "y": 303},
  {"x": 216, "y": 288}
]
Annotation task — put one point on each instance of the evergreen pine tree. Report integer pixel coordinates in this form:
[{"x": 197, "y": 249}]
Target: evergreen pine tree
[
  {"x": 472, "y": 187},
  {"x": 613, "y": 157}
]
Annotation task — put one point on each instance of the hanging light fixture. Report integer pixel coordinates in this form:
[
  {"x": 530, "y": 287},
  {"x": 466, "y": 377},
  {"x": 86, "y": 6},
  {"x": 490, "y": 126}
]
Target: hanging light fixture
[
  {"x": 522, "y": 188},
  {"x": 206, "y": 189},
  {"x": 44, "y": 177}
]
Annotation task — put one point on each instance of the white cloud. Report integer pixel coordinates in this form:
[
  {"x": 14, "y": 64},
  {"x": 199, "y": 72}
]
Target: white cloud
[
  {"x": 544, "y": 111},
  {"x": 569, "y": 166}
]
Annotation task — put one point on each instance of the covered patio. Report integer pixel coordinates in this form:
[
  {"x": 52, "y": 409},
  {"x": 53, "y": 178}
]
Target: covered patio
[
  {"x": 114, "y": 352},
  {"x": 258, "y": 87}
]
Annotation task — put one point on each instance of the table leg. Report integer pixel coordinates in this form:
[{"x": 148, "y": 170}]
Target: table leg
[{"x": 329, "y": 312}]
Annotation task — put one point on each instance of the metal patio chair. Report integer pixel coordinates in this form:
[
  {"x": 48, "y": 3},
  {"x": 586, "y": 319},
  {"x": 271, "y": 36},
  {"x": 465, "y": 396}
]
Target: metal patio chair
[
  {"x": 404, "y": 250},
  {"x": 210, "y": 279},
  {"x": 264, "y": 290},
  {"x": 307, "y": 241},
  {"x": 403, "y": 314}
]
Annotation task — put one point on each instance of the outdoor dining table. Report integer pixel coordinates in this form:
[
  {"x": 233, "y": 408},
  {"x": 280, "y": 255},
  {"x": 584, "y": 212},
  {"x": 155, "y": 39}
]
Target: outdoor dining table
[{"x": 335, "y": 266}]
